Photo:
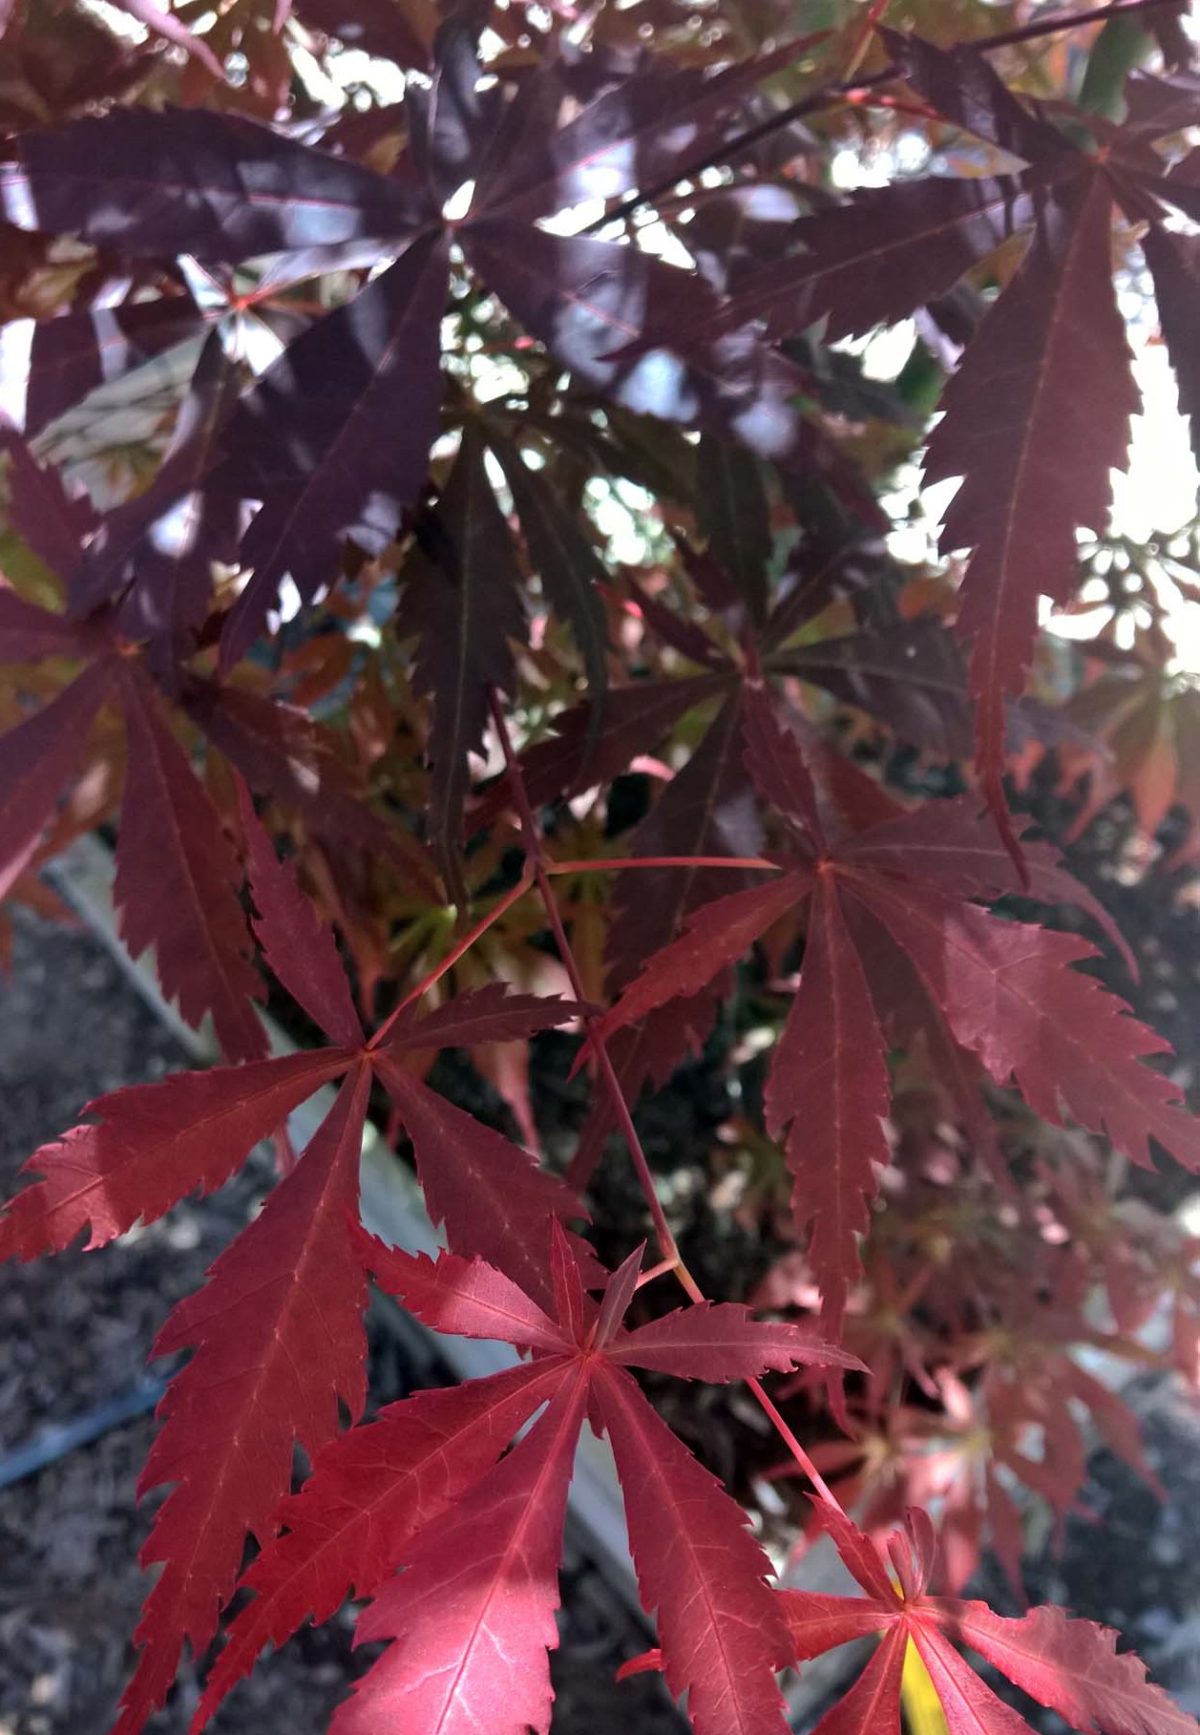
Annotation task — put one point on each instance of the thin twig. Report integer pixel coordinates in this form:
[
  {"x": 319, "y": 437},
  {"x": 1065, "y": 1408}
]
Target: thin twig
[
  {"x": 451, "y": 959},
  {"x": 608, "y": 864},
  {"x": 862, "y": 36},
  {"x": 668, "y": 1248},
  {"x": 537, "y": 867},
  {"x": 654, "y": 1271},
  {"x": 795, "y": 1448}
]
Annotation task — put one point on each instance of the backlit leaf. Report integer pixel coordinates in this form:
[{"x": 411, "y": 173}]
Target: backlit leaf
[{"x": 335, "y": 437}]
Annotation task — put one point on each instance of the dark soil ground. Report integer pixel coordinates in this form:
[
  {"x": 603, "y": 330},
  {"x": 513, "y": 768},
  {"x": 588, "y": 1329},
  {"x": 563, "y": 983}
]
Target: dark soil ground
[{"x": 75, "y": 1333}]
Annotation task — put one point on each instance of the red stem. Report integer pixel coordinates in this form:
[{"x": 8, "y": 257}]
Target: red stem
[
  {"x": 605, "y": 864},
  {"x": 893, "y": 105},
  {"x": 862, "y": 36},
  {"x": 659, "y": 1270},
  {"x": 537, "y": 867},
  {"x": 796, "y": 1449},
  {"x": 451, "y": 959},
  {"x": 671, "y": 1258}
]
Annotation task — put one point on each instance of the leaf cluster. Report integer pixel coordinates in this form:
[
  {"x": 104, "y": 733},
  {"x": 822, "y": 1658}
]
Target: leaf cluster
[{"x": 451, "y": 534}]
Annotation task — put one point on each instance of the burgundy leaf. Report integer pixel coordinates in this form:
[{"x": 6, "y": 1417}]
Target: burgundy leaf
[
  {"x": 491, "y": 1195},
  {"x": 1181, "y": 185},
  {"x": 627, "y": 722},
  {"x": 883, "y": 254},
  {"x": 478, "y": 1015},
  {"x": 720, "y": 1628},
  {"x": 299, "y": 948},
  {"x": 850, "y": 799},
  {"x": 217, "y": 186},
  {"x": 29, "y": 634},
  {"x": 283, "y": 752},
  {"x": 719, "y": 1341},
  {"x": 908, "y": 674},
  {"x": 872, "y": 1706},
  {"x": 952, "y": 845},
  {"x": 177, "y": 882},
  {"x": 72, "y": 354},
  {"x": 370, "y": 1492},
  {"x": 688, "y": 637},
  {"x": 39, "y": 508},
  {"x": 573, "y": 1308},
  {"x": 585, "y": 299},
  {"x": 734, "y": 517},
  {"x": 335, "y": 437},
  {"x": 465, "y": 605},
  {"x": 714, "y": 937},
  {"x": 818, "y": 1622},
  {"x": 466, "y": 1297},
  {"x": 1174, "y": 262},
  {"x": 776, "y": 763},
  {"x": 162, "y": 543},
  {"x": 1007, "y": 993},
  {"x": 962, "y": 85},
  {"x": 641, "y": 132},
  {"x": 1070, "y": 1665},
  {"x": 829, "y": 1081},
  {"x": 37, "y": 757},
  {"x": 570, "y": 569},
  {"x": 1156, "y": 105},
  {"x": 1035, "y": 418},
  {"x": 860, "y": 1556},
  {"x": 619, "y": 1291},
  {"x": 471, "y": 1644},
  {"x": 968, "y": 1704},
  {"x": 706, "y": 809},
  {"x": 451, "y": 122},
  {"x": 1169, "y": 30}
]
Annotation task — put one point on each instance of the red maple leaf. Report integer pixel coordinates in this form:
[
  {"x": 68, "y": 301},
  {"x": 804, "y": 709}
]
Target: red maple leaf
[
  {"x": 1070, "y": 1666},
  {"x": 177, "y": 873},
  {"x": 1038, "y": 411},
  {"x": 904, "y": 888},
  {"x": 421, "y": 1486},
  {"x": 276, "y": 1330}
]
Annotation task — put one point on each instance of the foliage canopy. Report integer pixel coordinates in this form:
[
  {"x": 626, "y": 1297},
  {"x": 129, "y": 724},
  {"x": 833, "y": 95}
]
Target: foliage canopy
[{"x": 457, "y": 524}]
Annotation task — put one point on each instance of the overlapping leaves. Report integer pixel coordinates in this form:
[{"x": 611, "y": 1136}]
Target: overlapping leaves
[
  {"x": 334, "y": 439},
  {"x": 1070, "y": 1666},
  {"x": 422, "y": 1485},
  {"x": 177, "y": 872},
  {"x": 1050, "y": 355},
  {"x": 277, "y": 1327},
  {"x": 448, "y": 1510},
  {"x": 899, "y": 895}
]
